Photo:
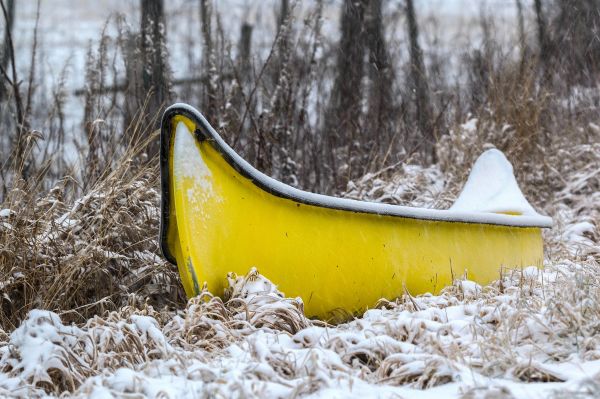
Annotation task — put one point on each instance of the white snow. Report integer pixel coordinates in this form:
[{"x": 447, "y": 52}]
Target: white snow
[
  {"x": 35, "y": 347},
  {"x": 188, "y": 162},
  {"x": 470, "y": 126},
  {"x": 531, "y": 272},
  {"x": 4, "y": 213},
  {"x": 469, "y": 288},
  {"x": 492, "y": 188},
  {"x": 577, "y": 230},
  {"x": 253, "y": 285}
]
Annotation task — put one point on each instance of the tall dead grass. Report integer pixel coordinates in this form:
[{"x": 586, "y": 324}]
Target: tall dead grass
[{"x": 87, "y": 255}]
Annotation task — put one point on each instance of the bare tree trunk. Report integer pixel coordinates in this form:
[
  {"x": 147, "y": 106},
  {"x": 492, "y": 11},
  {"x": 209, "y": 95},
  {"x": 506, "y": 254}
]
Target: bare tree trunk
[
  {"x": 134, "y": 92},
  {"x": 240, "y": 90},
  {"x": 521, "y": 29},
  {"x": 6, "y": 48},
  {"x": 10, "y": 8},
  {"x": 283, "y": 13},
  {"x": 542, "y": 37},
  {"x": 283, "y": 42},
  {"x": 208, "y": 62},
  {"x": 21, "y": 122},
  {"x": 419, "y": 84},
  {"x": 523, "y": 47},
  {"x": 245, "y": 51},
  {"x": 156, "y": 73},
  {"x": 343, "y": 119},
  {"x": 92, "y": 130},
  {"x": 381, "y": 102},
  {"x": 281, "y": 107}
]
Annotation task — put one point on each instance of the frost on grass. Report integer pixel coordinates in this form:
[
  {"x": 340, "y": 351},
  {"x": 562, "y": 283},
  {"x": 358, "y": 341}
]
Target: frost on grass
[
  {"x": 84, "y": 256},
  {"x": 533, "y": 331}
]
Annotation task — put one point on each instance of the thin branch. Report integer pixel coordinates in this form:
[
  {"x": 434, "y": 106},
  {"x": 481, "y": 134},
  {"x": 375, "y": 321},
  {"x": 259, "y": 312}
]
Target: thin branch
[{"x": 5, "y": 75}]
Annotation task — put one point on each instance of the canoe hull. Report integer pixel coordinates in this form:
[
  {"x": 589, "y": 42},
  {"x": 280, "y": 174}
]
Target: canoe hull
[{"x": 337, "y": 261}]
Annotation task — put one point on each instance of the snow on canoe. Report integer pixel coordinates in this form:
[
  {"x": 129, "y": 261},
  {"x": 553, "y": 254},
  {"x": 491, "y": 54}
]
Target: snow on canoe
[{"x": 221, "y": 215}]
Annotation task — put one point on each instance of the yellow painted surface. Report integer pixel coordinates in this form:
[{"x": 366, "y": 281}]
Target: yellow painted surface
[{"x": 332, "y": 259}]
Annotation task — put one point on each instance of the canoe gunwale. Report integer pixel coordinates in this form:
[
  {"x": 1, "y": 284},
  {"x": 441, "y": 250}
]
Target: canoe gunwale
[{"x": 204, "y": 131}]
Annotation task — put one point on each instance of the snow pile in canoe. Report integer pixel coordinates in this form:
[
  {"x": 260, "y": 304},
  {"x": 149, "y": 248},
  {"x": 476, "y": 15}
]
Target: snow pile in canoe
[{"x": 492, "y": 187}]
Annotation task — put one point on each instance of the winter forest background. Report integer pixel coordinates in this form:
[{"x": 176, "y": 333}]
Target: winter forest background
[
  {"x": 312, "y": 93},
  {"x": 387, "y": 101}
]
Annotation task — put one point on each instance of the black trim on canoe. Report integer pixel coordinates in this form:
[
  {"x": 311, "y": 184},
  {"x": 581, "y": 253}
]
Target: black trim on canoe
[{"x": 204, "y": 131}]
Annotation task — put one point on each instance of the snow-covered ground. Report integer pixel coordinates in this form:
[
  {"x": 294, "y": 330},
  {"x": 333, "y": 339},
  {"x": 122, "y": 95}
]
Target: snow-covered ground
[
  {"x": 531, "y": 334},
  {"x": 526, "y": 336}
]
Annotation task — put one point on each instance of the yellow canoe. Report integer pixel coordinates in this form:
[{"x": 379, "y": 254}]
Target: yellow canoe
[{"x": 221, "y": 215}]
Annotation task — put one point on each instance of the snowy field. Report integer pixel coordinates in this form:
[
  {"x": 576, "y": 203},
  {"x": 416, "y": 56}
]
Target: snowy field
[
  {"x": 517, "y": 337},
  {"x": 530, "y": 334}
]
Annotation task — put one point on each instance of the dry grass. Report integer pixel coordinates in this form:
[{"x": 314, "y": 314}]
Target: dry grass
[{"x": 85, "y": 256}]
